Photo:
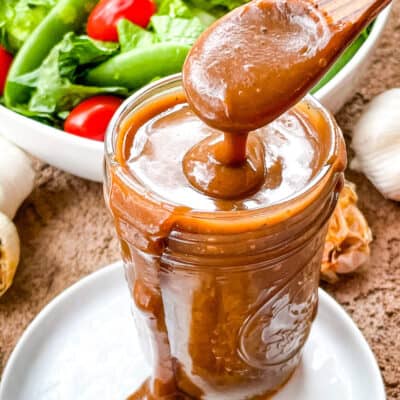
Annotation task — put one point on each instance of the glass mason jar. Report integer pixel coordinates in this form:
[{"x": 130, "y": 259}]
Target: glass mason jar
[{"x": 224, "y": 301}]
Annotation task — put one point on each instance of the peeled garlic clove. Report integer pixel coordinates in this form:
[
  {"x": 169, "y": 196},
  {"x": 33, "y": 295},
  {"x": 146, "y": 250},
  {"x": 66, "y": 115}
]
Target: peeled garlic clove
[
  {"x": 9, "y": 252},
  {"x": 16, "y": 177},
  {"x": 376, "y": 142}
]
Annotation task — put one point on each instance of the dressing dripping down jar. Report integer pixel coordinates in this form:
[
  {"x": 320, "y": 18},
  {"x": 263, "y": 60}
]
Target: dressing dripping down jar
[{"x": 223, "y": 300}]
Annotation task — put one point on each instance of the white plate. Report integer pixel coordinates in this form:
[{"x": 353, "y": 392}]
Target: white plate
[
  {"x": 84, "y": 346},
  {"x": 84, "y": 158}
]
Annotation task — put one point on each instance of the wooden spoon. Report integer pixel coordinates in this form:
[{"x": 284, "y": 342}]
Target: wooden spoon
[{"x": 262, "y": 58}]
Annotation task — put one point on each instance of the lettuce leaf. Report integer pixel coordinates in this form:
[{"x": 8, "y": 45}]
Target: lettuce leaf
[
  {"x": 18, "y": 20},
  {"x": 175, "y": 9},
  {"x": 178, "y": 30},
  {"x": 55, "y": 87},
  {"x": 132, "y": 36},
  {"x": 175, "y": 21},
  {"x": 218, "y": 5},
  {"x": 184, "y": 9}
]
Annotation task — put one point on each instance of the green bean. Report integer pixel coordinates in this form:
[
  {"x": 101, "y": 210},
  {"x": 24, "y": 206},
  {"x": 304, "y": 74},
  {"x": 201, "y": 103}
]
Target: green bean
[
  {"x": 66, "y": 16},
  {"x": 138, "y": 67}
]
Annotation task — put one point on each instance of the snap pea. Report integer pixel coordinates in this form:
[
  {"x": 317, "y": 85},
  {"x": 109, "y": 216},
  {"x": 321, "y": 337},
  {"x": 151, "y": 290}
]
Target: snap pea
[
  {"x": 138, "y": 67},
  {"x": 66, "y": 16}
]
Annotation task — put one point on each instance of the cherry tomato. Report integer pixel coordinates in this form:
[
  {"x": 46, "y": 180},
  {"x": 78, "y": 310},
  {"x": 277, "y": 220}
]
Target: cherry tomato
[
  {"x": 102, "y": 22},
  {"x": 5, "y": 63},
  {"x": 90, "y": 118}
]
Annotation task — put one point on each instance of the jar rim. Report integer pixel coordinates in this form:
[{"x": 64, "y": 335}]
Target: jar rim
[{"x": 323, "y": 178}]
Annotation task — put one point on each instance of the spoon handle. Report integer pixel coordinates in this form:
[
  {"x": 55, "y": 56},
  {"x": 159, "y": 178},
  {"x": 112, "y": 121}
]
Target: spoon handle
[{"x": 357, "y": 13}]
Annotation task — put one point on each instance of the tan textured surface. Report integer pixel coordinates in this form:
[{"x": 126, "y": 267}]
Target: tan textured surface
[{"x": 67, "y": 233}]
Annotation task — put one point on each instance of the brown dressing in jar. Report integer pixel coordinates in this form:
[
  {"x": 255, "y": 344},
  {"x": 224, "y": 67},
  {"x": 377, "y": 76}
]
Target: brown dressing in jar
[
  {"x": 199, "y": 326},
  {"x": 220, "y": 231},
  {"x": 288, "y": 152}
]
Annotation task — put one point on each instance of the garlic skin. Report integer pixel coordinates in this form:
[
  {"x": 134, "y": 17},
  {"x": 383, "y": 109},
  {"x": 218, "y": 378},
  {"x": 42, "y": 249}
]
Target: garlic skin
[
  {"x": 376, "y": 142},
  {"x": 16, "y": 178},
  {"x": 9, "y": 252},
  {"x": 347, "y": 244}
]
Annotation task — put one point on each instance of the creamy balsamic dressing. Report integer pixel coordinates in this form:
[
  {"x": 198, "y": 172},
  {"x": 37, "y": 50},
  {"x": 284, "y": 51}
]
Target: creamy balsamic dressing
[
  {"x": 288, "y": 146},
  {"x": 212, "y": 291},
  {"x": 226, "y": 298}
]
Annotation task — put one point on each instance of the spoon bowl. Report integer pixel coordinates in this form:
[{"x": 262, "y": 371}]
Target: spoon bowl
[{"x": 262, "y": 58}]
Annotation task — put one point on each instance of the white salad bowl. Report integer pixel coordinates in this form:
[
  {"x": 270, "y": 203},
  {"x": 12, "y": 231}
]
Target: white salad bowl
[{"x": 84, "y": 157}]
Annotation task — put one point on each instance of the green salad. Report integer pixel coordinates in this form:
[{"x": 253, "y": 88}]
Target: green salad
[{"x": 66, "y": 51}]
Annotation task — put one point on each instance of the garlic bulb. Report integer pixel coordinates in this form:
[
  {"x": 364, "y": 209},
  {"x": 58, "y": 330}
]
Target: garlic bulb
[
  {"x": 16, "y": 178},
  {"x": 16, "y": 183},
  {"x": 376, "y": 142},
  {"x": 9, "y": 252}
]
